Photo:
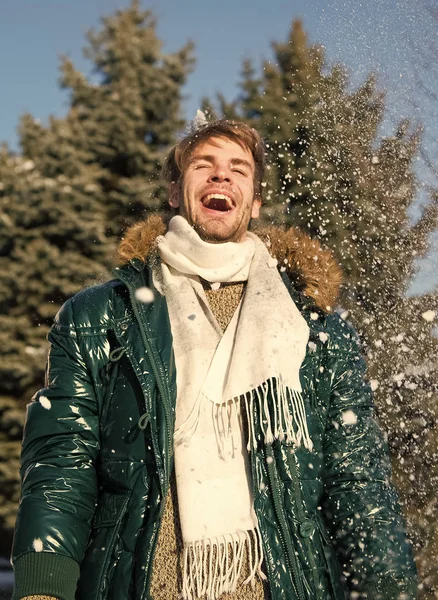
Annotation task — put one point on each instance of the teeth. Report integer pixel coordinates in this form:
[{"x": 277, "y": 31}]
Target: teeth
[{"x": 219, "y": 197}]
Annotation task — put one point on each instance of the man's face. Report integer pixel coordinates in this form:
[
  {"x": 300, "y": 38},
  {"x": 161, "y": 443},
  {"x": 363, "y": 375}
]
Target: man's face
[{"x": 216, "y": 195}]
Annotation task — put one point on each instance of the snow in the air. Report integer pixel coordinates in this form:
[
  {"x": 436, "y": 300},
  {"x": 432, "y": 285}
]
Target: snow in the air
[
  {"x": 429, "y": 315},
  {"x": 374, "y": 384},
  {"x": 37, "y": 545},
  {"x": 349, "y": 417},
  {"x": 28, "y": 165},
  {"x": 199, "y": 120},
  {"x": 323, "y": 337},
  {"x": 145, "y": 295}
]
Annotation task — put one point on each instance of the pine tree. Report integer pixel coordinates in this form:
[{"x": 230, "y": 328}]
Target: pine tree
[
  {"x": 67, "y": 196},
  {"x": 46, "y": 227},
  {"x": 331, "y": 173}
]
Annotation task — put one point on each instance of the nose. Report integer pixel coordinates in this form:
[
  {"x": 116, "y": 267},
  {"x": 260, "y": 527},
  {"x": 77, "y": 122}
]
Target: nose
[{"x": 220, "y": 174}]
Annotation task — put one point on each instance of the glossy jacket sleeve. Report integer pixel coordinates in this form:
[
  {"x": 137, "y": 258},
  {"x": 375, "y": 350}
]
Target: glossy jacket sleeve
[
  {"x": 360, "y": 504},
  {"x": 59, "y": 484}
]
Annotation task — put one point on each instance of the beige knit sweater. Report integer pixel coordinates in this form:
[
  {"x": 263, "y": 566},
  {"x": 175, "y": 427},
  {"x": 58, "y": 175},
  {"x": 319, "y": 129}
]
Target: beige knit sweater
[{"x": 167, "y": 573}]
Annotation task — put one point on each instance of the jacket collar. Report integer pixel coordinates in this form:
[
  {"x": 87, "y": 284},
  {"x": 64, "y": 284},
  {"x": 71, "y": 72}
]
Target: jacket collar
[{"x": 313, "y": 271}]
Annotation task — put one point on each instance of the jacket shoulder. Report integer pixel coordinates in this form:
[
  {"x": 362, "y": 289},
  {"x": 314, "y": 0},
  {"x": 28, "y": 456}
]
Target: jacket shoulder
[
  {"x": 93, "y": 307},
  {"x": 341, "y": 330},
  {"x": 341, "y": 344},
  {"x": 332, "y": 331}
]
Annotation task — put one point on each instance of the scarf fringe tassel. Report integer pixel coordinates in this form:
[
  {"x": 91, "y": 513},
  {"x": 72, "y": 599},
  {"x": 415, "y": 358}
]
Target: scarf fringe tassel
[
  {"x": 285, "y": 421},
  {"x": 212, "y": 567}
]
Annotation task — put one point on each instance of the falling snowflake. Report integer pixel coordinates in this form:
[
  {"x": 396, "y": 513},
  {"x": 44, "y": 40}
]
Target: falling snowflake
[
  {"x": 198, "y": 121},
  {"x": 37, "y": 545},
  {"x": 349, "y": 417},
  {"x": 398, "y": 378},
  {"x": 28, "y": 165},
  {"x": 145, "y": 295},
  {"x": 429, "y": 315}
]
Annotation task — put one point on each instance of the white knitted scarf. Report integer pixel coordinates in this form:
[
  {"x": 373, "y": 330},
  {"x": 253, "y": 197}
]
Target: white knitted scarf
[{"x": 255, "y": 363}]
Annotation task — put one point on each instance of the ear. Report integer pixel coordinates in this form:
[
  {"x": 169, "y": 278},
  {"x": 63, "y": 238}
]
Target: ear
[
  {"x": 174, "y": 195},
  {"x": 255, "y": 210}
]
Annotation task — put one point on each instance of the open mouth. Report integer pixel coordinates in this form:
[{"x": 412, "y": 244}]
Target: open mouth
[{"x": 218, "y": 202}]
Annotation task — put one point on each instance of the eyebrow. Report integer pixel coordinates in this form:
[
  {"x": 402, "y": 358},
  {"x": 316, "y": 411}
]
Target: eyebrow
[{"x": 210, "y": 158}]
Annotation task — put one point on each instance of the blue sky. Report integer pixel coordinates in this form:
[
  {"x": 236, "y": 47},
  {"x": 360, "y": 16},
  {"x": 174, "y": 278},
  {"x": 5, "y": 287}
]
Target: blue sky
[{"x": 373, "y": 35}]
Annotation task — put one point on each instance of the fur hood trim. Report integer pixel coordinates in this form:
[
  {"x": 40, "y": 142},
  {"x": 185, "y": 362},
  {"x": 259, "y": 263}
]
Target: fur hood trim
[{"x": 312, "y": 268}]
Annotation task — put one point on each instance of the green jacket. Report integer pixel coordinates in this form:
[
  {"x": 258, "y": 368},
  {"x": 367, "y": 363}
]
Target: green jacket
[{"x": 98, "y": 453}]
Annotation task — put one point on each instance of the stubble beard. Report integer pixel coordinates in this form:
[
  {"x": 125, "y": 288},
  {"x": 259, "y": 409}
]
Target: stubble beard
[
  {"x": 211, "y": 232},
  {"x": 216, "y": 234},
  {"x": 214, "y": 237}
]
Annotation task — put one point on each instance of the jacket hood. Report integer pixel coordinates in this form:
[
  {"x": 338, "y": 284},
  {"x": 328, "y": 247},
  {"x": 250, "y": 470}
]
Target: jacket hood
[{"x": 312, "y": 269}]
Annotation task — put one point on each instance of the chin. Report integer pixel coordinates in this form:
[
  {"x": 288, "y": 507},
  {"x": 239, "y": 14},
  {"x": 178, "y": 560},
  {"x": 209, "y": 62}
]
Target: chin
[{"x": 214, "y": 235}]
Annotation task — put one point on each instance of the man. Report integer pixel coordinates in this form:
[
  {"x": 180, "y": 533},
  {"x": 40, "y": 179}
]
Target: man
[{"x": 206, "y": 430}]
